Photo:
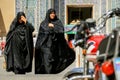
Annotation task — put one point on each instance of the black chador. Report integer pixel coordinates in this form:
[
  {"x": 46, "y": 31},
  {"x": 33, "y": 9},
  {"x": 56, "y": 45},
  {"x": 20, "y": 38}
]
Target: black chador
[
  {"x": 19, "y": 46},
  {"x": 52, "y": 53}
]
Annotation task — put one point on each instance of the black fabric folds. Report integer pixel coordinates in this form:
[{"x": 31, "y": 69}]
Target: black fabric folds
[
  {"x": 52, "y": 53},
  {"x": 19, "y": 47}
]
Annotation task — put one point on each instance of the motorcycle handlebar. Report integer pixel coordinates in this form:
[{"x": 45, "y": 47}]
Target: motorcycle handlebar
[{"x": 111, "y": 13}]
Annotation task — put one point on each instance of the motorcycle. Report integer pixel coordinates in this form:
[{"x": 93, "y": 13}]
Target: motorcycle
[{"x": 95, "y": 49}]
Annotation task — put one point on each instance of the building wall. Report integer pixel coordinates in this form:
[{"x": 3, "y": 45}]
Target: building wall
[
  {"x": 97, "y": 9},
  {"x": 7, "y": 13},
  {"x": 115, "y": 21},
  {"x": 35, "y": 10}
]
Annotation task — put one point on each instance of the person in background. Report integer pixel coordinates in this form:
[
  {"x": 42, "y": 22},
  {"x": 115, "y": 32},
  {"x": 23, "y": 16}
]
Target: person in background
[
  {"x": 19, "y": 45},
  {"x": 3, "y": 42},
  {"x": 52, "y": 53},
  {"x": 0, "y": 47}
]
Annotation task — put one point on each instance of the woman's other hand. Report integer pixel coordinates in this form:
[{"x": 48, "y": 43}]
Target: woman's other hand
[{"x": 50, "y": 25}]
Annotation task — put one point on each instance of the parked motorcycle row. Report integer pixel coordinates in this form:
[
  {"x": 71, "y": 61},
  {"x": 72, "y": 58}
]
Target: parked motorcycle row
[{"x": 100, "y": 49}]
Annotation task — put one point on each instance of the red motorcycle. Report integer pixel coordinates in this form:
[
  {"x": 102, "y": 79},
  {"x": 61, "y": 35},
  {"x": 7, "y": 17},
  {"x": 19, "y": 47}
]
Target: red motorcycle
[
  {"x": 108, "y": 61},
  {"x": 89, "y": 42},
  {"x": 107, "y": 65},
  {"x": 101, "y": 49}
]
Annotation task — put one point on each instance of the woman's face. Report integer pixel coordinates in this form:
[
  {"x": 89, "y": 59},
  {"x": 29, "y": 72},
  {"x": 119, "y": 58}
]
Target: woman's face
[
  {"x": 20, "y": 21},
  {"x": 52, "y": 15}
]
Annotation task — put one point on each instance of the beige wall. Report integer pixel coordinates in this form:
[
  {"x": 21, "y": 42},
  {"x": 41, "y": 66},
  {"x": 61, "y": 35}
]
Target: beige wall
[{"x": 7, "y": 13}]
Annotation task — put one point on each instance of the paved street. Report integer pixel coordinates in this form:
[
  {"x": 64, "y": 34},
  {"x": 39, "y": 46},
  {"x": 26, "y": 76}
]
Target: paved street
[{"x": 30, "y": 76}]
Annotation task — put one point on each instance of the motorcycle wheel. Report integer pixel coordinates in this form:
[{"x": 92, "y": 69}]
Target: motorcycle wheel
[{"x": 73, "y": 75}]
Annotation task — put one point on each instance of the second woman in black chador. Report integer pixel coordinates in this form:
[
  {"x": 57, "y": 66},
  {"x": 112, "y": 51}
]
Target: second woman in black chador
[{"x": 52, "y": 53}]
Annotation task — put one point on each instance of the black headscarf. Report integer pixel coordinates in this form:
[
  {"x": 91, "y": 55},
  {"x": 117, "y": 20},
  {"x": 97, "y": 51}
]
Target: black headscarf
[
  {"x": 14, "y": 23},
  {"x": 47, "y": 18},
  {"x": 20, "y": 14}
]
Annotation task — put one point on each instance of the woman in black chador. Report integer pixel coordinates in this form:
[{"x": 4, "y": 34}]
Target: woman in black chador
[
  {"x": 19, "y": 45},
  {"x": 52, "y": 54}
]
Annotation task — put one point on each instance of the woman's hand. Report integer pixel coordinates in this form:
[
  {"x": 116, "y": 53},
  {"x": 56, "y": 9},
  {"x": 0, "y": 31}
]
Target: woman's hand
[
  {"x": 50, "y": 25},
  {"x": 23, "y": 19}
]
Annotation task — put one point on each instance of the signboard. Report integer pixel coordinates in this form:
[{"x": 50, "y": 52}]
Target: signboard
[{"x": 69, "y": 27}]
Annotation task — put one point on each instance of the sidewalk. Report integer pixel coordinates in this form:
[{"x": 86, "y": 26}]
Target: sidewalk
[{"x": 31, "y": 76}]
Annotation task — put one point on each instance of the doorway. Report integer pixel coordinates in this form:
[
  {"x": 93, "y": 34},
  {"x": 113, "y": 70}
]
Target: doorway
[{"x": 77, "y": 13}]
